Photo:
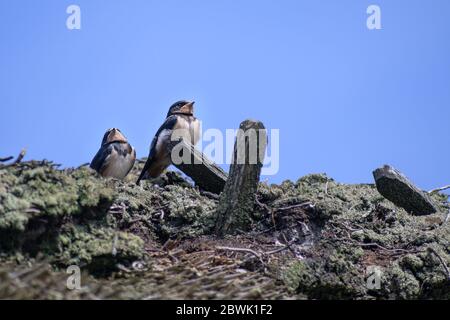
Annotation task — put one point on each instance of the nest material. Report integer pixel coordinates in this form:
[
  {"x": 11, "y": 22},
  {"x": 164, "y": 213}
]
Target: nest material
[{"x": 313, "y": 238}]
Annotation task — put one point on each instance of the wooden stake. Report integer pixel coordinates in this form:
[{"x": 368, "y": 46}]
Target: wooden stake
[
  {"x": 205, "y": 173},
  {"x": 237, "y": 200}
]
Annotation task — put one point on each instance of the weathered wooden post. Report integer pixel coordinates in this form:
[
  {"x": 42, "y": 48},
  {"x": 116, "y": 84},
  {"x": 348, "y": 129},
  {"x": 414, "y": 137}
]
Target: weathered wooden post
[
  {"x": 205, "y": 173},
  {"x": 396, "y": 187},
  {"x": 237, "y": 200}
]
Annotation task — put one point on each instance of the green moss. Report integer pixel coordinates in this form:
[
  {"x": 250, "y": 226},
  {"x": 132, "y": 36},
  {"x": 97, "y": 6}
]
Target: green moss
[
  {"x": 91, "y": 193},
  {"x": 39, "y": 199},
  {"x": 334, "y": 277},
  {"x": 42, "y": 192},
  {"x": 298, "y": 276},
  {"x": 360, "y": 215},
  {"x": 98, "y": 249},
  {"x": 402, "y": 283},
  {"x": 188, "y": 214},
  {"x": 74, "y": 216},
  {"x": 172, "y": 211}
]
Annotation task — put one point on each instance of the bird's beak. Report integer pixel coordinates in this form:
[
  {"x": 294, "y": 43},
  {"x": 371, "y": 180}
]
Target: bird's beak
[
  {"x": 116, "y": 135},
  {"x": 188, "y": 108}
]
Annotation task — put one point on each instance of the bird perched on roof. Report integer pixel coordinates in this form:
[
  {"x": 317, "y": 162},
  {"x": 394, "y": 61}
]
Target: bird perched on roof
[
  {"x": 116, "y": 156},
  {"x": 180, "y": 120}
]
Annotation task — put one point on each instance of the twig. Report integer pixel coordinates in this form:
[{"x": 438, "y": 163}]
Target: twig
[
  {"x": 114, "y": 245},
  {"x": 6, "y": 159},
  {"x": 210, "y": 195},
  {"x": 18, "y": 159},
  {"x": 166, "y": 252},
  {"x": 260, "y": 255},
  {"x": 268, "y": 209},
  {"x": 441, "y": 260},
  {"x": 243, "y": 250},
  {"x": 304, "y": 225},
  {"x": 439, "y": 189},
  {"x": 20, "y": 156},
  {"x": 253, "y": 234},
  {"x": 373, "y": 244},
  {"x": 342, "y": 224},
  {"x": 294, "y": 206},
  {"x": 287, "y": 246},
  {"x": 32, "y": 210}
]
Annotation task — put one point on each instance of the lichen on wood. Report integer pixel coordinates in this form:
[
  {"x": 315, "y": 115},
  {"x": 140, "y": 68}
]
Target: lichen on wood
[
  {"x": 205, "y": 173},
  {"x": 237, "y": 200}
]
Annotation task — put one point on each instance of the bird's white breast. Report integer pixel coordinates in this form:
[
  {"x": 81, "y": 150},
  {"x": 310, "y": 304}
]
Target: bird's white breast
[
  {"x": 188, "y": 129},
  {"x": 119, "y": 165}
]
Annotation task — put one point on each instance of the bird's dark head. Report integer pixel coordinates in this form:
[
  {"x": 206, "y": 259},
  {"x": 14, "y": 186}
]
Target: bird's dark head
[
  {"x": 182, "y": 107},
  {"x": 113, "y": 135}
]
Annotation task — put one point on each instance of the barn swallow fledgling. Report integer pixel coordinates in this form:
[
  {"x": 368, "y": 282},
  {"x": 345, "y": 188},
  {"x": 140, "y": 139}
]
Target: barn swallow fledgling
[
  {"x": 180, "y": 117},
  {"x": 116, "y": 156}
]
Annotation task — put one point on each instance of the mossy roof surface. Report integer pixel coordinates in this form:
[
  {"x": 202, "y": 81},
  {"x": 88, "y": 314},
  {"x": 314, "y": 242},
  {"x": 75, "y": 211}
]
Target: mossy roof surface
[{"x": 312, "y": 238}]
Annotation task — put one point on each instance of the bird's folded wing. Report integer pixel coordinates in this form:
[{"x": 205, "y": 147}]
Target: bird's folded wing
[
  {"x": 167, "y": 125},
  {"x": 101, "y": 158}
]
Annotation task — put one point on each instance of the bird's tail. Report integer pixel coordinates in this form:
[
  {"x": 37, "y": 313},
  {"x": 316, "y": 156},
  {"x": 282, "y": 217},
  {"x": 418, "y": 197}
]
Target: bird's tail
[
  {"x": 141, "y": 176},
  {"x": 144, "y": 171}
]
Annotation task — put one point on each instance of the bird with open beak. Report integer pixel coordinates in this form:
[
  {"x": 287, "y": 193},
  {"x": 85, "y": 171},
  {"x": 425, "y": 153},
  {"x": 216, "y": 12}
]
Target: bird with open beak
[
  {"x": 180, "y": 120},
  {"x": 116, "y": 156}
]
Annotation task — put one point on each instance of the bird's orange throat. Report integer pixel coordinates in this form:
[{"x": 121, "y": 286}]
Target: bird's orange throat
[{"x": 116, "y": 136}]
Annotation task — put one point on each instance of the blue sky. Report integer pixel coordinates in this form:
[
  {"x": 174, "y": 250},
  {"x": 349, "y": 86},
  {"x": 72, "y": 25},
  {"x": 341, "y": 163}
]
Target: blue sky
[{"x": 346, "y": 99}]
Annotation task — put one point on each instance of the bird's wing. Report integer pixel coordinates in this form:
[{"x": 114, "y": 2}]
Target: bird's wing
[
  {"x": 101, "y": 158},
  {"x": 167, "y": 125}
]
